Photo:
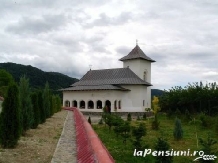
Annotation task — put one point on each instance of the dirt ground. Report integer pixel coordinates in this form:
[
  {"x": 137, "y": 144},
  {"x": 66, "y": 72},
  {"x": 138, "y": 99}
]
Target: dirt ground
[{"x": 38, "y": 145}]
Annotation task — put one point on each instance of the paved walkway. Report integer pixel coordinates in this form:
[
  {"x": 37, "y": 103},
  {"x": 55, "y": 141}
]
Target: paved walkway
[{"x": 66, "y": 148}]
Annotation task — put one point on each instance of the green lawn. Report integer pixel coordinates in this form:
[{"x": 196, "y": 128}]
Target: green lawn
[{"x": 124, "y": 153}]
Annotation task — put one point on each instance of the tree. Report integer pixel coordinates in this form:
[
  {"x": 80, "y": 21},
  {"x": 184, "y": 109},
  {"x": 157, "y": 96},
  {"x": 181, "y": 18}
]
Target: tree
[
  {"x": 52, "y": 105},
  {"x": 162, "y": 145},
  {"x": 178, "y": 132},
  {"x": 155, "y": 124},
  {"x": 46, "y": 100},
  {"x": 58, "y": 103},
  {"x": 155, "y": 105},
  {"x": 89, "y": 120},
  {"x": 36, "y": 115},
  {"x": 42, "y": 113},
  {"x": 138, "y": 133},
  {"x": 123, "y": 130},
  {"x": 129, "y": 117},
  {"x": 10, "y": 125},
  {"x": 156, "y": 108},
  {"x": 5, "y": 80},
  {"x": 208, "y": 148},
  {"x": 25, "y": 104}
]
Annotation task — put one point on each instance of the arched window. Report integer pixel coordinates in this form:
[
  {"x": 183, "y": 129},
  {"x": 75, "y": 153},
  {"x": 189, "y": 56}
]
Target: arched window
[
  {"x": 99, "y": 104},
  {"x": 115, "y": 105},
  {"x": 67, "y": 103},
  {"x": 119, "y": 104},
  {"x": 82, "y": 105},
  {"x": 74, "y": 103},
  {"x": 90, "y": 105},
  {"x": 108, "y": 106},
  {"x": 107, "y": 103},
  {"x": 145, "y": 76}
]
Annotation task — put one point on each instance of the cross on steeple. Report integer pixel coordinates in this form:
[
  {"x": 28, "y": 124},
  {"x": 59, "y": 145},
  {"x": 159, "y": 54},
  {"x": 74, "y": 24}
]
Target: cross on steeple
[{"x": 90, "y": 66}]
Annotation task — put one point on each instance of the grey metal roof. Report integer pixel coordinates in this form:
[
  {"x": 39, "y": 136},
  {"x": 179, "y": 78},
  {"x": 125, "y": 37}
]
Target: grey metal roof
[
  {"x": 95, "y": 87},
  {"x": 118, "y": 76},
  {"x": 137, "y": 53}
]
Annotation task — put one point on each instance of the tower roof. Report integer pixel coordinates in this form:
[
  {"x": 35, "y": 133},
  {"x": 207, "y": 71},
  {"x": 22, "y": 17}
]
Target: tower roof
[{"x": 137, "y": 53}]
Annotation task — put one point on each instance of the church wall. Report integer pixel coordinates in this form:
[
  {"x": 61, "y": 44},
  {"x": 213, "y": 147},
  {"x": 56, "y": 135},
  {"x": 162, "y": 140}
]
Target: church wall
[
  {"x": 137, "y": 94},
  {"x": 86, "y": 96},
  {"x": 131, "y": 101},
  {"x": 139, "y": 66}
]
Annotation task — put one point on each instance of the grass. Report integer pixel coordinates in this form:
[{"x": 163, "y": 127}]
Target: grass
[{"x": 124, "y": 153}]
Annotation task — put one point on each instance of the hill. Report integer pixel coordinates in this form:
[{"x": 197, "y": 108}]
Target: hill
[
  {"x": 37, "y": 77},
  {"x": 156, "y": 92}
]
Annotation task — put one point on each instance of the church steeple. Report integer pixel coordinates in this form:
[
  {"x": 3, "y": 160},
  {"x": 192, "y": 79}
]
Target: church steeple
[
  {"x": 137, "y": 53},
  {"x": 139, "y": 63}
]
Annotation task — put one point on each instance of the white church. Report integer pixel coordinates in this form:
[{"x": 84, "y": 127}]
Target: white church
[{"x": 124, "y": 89}]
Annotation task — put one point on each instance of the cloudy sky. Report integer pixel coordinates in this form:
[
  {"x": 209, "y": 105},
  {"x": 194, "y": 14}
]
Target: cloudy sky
[{"x": 69, "y": 35}]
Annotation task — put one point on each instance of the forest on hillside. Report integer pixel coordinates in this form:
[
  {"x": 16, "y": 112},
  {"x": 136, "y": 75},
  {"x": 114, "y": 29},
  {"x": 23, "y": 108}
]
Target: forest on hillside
[{"x": 37, "y": 77}]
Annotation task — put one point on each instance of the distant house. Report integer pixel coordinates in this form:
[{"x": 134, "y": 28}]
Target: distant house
[
  {"x": 1, "y": 101},
  {"x": 124, "y": 89}
]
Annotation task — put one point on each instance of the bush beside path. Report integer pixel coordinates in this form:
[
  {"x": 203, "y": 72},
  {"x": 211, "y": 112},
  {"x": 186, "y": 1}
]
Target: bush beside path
[{"x": 38, "y": 145}]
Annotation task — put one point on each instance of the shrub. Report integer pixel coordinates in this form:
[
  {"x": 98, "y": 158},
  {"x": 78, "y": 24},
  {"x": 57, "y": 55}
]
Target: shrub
[
  {"x": 144, "y": 116},
  {"x": 169, "y": 113},
  {"x": 138, "y": 133},
  {"x": 36, "y": 116},
  {"x": 208, "y": 148},
  {"x": 206, "y": 121},
  {"x": 10, "y": 116},
  {"x": 178, "y": 113},
  {"x": 178, "y": 132},
  {"x": 138, "y": 118},
  {"x": 100, "y": 122},
  {"x": 46, "y": 100},
  {"x": 216, "y": 126},
  {"x": 155, "y": 124},
  {"x": 129, "y": 117},
  {"x": 123, "y": 130},
  {"x": 162, "y": 145},
  {"x": 187, "y": 115},
  {"x": 41, "y": 108},
  {"x": 89, "y": 120},
  {"x": 25, "y": 104}
]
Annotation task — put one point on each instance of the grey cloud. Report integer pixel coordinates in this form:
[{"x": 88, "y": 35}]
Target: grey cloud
[
  {"x": 105, "y": 20},
  {"x": 123, "y": 50},
  {"x": 46, "y": 23}
]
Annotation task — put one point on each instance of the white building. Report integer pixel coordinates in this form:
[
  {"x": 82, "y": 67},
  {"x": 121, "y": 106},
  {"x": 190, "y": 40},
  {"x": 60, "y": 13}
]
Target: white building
[{"x": 124, "y": 89}]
